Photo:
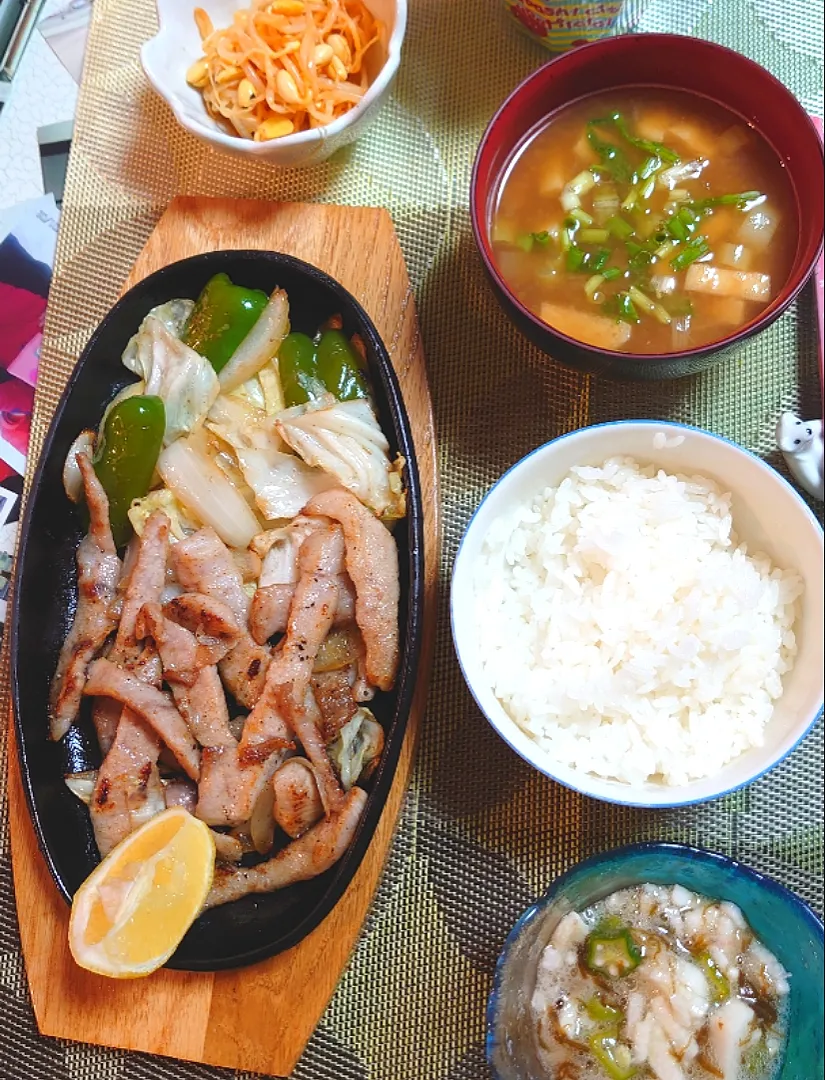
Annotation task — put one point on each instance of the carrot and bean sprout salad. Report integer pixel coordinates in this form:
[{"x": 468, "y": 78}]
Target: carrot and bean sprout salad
[{"x": 284, "y": 65}]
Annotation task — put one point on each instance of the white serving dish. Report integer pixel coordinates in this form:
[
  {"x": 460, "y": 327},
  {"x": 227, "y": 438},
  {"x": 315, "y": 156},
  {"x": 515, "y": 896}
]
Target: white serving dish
[
  {"x": 168, "y": 55},
  {"x": 767, "y": 513}
]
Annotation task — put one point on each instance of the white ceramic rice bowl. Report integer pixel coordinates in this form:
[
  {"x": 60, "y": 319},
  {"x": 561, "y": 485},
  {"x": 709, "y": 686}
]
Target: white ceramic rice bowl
[
  {"x": 767, "y": 513},
  {"x": 177, "y": 45}
]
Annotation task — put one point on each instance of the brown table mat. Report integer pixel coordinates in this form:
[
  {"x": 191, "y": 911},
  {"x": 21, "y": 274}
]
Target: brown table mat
[{"x": 481, "y": 834}]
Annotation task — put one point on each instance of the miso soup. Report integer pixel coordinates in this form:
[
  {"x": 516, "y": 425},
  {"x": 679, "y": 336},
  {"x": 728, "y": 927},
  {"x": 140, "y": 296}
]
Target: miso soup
[{"x": 645, "y": 221}]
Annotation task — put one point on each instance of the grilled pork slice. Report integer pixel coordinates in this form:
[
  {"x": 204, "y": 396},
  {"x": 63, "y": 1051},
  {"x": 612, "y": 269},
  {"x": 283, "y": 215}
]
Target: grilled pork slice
[
  {"x": 187, "y": 667},
  {"x": 304, "y": 718},
  {"x": 203, "y": 564},
  {"x": 98, "y": 572},
  {"x": 151, "y": 705},
  {"x": 128, "y": 790},
  {"x": 305, "y": 858},
  {"x": 297, "y": 804},
  {"x": 234, "y": 778},
  {"x": 271, "y": 603},
  {"x": 145, "y": 583},
  {"x": 372, "y": 564}
]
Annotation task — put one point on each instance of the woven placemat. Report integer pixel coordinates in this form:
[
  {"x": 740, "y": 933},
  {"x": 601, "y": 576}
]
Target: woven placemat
[{"x": 481, "y": 834}]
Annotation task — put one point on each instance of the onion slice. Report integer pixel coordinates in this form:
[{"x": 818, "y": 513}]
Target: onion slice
[
  {"x": 260, "y": 345},
  {"x": 72, "y": 480},
  {"x": 203, "y": 489}
]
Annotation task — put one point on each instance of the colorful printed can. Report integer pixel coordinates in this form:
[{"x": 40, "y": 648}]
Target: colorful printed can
[{"x": 561, "y": 24}]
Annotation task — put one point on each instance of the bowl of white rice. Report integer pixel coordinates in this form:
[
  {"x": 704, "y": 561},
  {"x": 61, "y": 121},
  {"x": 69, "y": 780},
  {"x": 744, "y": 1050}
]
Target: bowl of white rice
[{"x": 637, "y": 608}]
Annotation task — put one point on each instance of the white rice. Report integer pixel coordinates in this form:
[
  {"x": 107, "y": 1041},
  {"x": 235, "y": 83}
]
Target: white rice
[{"x": 624, "y": 627}]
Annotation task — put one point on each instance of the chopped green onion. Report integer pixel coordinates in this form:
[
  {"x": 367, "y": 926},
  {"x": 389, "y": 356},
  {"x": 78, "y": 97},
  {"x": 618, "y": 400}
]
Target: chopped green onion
[
  {"x": 620, "y": 228},
  {"x": 680, "y": 195},
  {"x": 598, "y": 260},
  {"x": 594, "y": 236},
  {"x": 626, "y": 312},
  {"x": 612, "y": 158},
  {"x": 581, "y": 184},
  {"x": 667, "y": 248},
  {"x": 688, "y": 215},
  {"x": 564, "y": 239},
  {"x": 638, "y": 256},
  {"x": 640, "y": 300},
  {"x": 648, "y": 305},
  {"x": 525, "y": 241},
  {"x": 741, "y": 201},
  {"x": 542, "y": 238},
  {"x": 630, "y": 199},
  {"x": 654, "y": 149},
  {"x": 610, "y": 273},
  {"x": 592, "y": 284},
  {"x": 581, "y": 216},
  {"x": 695, "y": 249},
  {"x": 649, "y": 167},
  {"x": 569, "y": 201},
  {"x": 575, "y": 259},
  {"x": 677, "y": 228},
  {"x": 647, "y": 188}
]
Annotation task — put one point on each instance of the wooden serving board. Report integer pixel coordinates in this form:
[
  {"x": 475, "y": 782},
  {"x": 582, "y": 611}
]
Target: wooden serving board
[{"x": 258, "y": 1018}]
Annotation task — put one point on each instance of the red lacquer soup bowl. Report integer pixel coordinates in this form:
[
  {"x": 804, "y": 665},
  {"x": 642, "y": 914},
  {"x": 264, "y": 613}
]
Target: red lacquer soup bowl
[{"x": 673, "y": 63}]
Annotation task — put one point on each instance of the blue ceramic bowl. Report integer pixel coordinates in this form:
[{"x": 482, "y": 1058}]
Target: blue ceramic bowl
[{"x": 779, "y": 919}]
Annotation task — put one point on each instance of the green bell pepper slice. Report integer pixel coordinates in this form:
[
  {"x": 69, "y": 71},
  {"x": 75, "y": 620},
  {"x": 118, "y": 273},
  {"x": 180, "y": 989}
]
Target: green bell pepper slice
[
  {"x": 223, "y": 315},
  {"x": 126, "y": 456},
  {"x": 612, "y": 952},
  {"x": 339, "y": 366},
  {"x": 298, "y": 369}
]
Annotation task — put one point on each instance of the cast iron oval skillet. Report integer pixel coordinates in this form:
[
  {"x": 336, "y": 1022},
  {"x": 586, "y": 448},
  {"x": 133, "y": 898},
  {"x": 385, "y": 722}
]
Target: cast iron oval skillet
[{"x": 257, "y": 926}]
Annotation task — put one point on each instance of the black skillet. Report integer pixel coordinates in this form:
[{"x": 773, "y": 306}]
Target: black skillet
[{"x": 257, "y": 927}]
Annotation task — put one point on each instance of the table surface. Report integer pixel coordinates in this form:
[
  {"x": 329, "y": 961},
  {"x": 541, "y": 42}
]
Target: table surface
[{"x": 481, "y": 835}]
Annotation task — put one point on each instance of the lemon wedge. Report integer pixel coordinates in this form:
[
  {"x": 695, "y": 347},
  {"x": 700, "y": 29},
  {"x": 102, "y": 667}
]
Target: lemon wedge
[{"x": 133, "y": 910}]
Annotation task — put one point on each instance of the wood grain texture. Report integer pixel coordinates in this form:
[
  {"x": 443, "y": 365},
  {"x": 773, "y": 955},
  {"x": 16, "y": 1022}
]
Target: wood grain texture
[{"x": 257, "y": 1018}]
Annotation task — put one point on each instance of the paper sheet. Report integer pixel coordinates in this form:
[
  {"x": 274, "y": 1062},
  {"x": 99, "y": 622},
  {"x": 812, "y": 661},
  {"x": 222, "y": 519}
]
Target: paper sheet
[{"x": 28, "y": 234}]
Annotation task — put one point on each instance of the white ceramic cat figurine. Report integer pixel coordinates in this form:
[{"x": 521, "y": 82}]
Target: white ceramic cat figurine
[{"x": 801, "y": 444}]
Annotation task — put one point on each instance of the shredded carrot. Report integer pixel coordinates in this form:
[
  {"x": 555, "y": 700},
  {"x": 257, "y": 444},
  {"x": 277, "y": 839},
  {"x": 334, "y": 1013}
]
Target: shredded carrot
[{"x": 285, "y": 65}]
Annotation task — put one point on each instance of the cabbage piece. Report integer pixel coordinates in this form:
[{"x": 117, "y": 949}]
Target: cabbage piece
[
  {"x": 235, "y": 417},
  {"x": 282, "y": 483},
  {"x": 280, "y": 559},
  {"x": 182, "y": 378},
  {"x": 204, "y": 490},
  {"x": 174, "y": 315},
  {"x": 345, "y": 439},
  {"x": 181, "y": 523},
  {"x": 357, "y": 748}
]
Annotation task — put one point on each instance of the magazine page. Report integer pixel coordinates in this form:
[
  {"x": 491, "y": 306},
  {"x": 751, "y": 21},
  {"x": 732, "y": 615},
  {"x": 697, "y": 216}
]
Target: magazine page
[{"x": 28, "y": 234}]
